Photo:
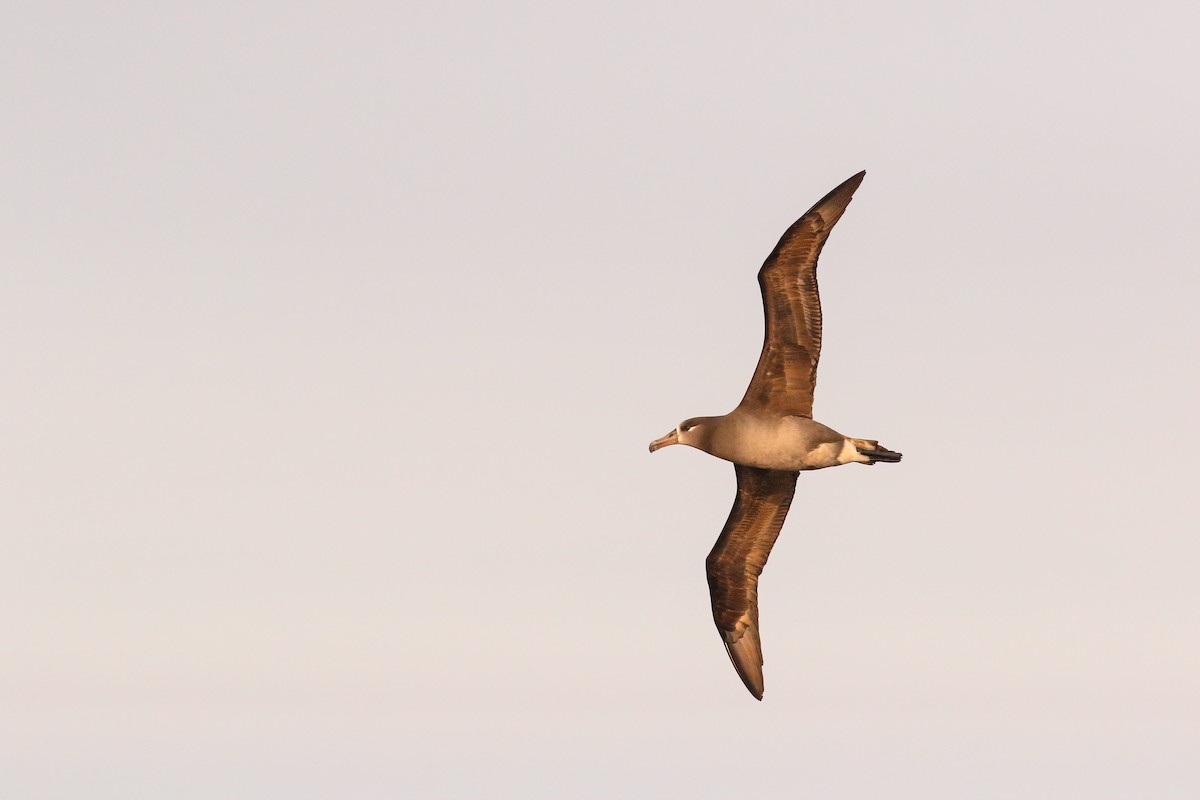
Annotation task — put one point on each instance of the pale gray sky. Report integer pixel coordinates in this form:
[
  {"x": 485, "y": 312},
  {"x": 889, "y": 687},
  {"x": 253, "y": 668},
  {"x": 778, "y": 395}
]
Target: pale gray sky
[{"x": 333, "y": 335}]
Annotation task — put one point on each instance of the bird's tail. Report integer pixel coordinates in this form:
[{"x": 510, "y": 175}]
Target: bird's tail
[{"x": 875, "y": 451}]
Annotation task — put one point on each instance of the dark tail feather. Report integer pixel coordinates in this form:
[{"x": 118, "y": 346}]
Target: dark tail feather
[{"x": 881, "y": 453}]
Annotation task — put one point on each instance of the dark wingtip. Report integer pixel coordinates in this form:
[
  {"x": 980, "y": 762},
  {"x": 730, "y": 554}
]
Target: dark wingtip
[
  {"x": 834, "y": 203},
  {"x": 746, "y": 655},
  {"x": 851, "y": 183},
  {"x": 829, "y": 208}
]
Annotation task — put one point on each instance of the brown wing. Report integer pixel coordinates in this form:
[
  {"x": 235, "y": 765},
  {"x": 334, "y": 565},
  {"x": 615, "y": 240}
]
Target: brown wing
[
  {"x": 786, "y": 374},
  {"x": 737, "y": 559}
]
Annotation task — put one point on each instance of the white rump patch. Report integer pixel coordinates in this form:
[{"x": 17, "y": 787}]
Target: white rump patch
[{"x": 850, "y": 454}]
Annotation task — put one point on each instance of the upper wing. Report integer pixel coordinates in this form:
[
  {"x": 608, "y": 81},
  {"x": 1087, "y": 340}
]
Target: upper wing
[
  {"x": 737, "y": 559},
  {"x": 786, "y": 374}
]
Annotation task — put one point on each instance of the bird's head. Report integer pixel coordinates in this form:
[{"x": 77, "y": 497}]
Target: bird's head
[{"x": 692, "y": 432}]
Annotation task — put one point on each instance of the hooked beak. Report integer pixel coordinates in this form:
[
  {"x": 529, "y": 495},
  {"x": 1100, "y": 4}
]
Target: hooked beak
[{"x": 670, "y": 438}]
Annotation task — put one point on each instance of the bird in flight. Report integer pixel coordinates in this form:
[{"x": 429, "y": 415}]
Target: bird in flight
[{"x": 771, "y": 436}]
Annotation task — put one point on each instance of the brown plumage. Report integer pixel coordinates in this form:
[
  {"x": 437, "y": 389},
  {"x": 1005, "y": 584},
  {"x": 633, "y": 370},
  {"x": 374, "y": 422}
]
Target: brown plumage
[
  {"x": 771, "y": 436},
  {"x": 786, "y": 374},
  {"x": 738, "y": 558}
]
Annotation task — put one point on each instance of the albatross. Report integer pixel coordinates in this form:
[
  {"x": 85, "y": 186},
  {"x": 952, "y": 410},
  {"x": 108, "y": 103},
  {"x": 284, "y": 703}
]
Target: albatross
[{"x": 771, "y": 436}]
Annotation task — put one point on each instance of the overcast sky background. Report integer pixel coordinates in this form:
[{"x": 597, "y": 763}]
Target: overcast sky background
[{"x": 332, "y": 336}]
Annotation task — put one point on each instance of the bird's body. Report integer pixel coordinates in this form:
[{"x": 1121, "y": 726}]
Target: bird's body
[
  {"x": 771, "y": 436},
  {"x": 772, "y": 441}
]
